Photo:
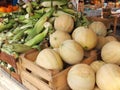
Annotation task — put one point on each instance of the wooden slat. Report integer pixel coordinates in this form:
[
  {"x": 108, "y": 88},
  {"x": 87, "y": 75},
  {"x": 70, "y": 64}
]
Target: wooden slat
[
  {"x": 40, "y": 72},
  {"x": 28, "y": 85},
  {"x": 12, "y": 74},
  {"x": 12, "y": 61},
  {"x": 91, "y": 57},
  {"x": 8, "y": 58},
  {"x": 31, "y": 54},
  {"x": 59, "y": 81},
  {"x": 35, "y": 81}
]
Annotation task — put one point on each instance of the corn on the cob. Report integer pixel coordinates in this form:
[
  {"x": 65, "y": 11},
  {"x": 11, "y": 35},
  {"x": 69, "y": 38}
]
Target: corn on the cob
[
  {"x": 19, "y": 48},
  {"x": 37, "y": 39},
  {"x": 39, "y": 26},
  {"x": 55, "y": 3}
]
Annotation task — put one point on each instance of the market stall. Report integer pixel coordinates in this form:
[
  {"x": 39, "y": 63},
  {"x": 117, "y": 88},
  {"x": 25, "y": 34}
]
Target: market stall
[{"x": 55, "y": 45}]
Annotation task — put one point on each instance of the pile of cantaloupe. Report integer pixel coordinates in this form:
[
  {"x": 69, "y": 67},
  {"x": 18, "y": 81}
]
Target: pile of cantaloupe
[{"x": 69, "y": 45}]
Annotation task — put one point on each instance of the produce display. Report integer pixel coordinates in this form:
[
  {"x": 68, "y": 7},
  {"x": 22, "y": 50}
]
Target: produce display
[
  {"x": 69, "y": 50},
  {"x": 34, "y": 25},
  {"x": 34, "y": 22}
]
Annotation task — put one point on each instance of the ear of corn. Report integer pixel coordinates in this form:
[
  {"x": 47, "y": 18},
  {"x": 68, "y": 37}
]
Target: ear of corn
[
  {"x": 29, "y": 8},
  {"x": 6, "y": 26},
  {"x": 39, "y": 26},
  {"x": 37, "y": 39},
  {"x": 54, "y": 2},
  {"x": 19, "y": 48}
]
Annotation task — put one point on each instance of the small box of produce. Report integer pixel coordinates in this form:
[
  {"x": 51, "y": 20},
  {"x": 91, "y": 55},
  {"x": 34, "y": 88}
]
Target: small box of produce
[{"x": 36, "y": 77}]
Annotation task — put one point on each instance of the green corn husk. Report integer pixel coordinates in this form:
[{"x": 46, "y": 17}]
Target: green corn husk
[{"x": 39, "y": 26}]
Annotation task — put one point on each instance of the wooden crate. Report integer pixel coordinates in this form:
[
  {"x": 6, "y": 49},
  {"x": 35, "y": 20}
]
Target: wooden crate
[
  {"x": 12, "y": 61},
  {"x": 35, "y": 77}
]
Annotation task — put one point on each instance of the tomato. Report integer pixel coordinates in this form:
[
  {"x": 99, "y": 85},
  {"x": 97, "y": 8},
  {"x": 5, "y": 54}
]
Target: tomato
[
  {"x": 9, "y": 10},
  {"x": 15, "y": 8},
  {"x": 2, "y": 9}
]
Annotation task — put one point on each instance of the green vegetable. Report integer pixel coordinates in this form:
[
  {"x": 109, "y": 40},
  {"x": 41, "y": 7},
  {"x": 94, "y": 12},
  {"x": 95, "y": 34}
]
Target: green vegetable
[
  {"x": 81, "y": 20},
  {"x": 19, "y": 48},
  {"x": 37, "y": 39},
  {"x": 85, "y": 21},
  {"x": 7, "y": 49},
  {"x": 36, "y": 16},
  {"x": 4, "y": 26},
  {"x": 42, "y": 10},
  {"x": 39, "y": 26},
  {"x": 40, "y": 23},
  {"x": 12, "y": 69},
  {"x": 18, "y": 36},
  {"x": 28, "y": 25},
  {"x": 70, "y": 11},
  {"x": 21, "y": 17},
  {"x": 16, "y": 30},
  {"x": 19, "y": 33},
  {"x": 25, "y": 21},
  {"x": 60, "y": 12},
  {"x": 29, "y": 8},
  {"x": 3, "y": 14},
  {"x": 47, "y": 3},
  {"x": 35, "y": 4}
]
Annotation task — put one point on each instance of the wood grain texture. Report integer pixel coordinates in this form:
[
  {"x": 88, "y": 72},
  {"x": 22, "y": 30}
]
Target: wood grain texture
[{"x": 9, "y": 83}]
